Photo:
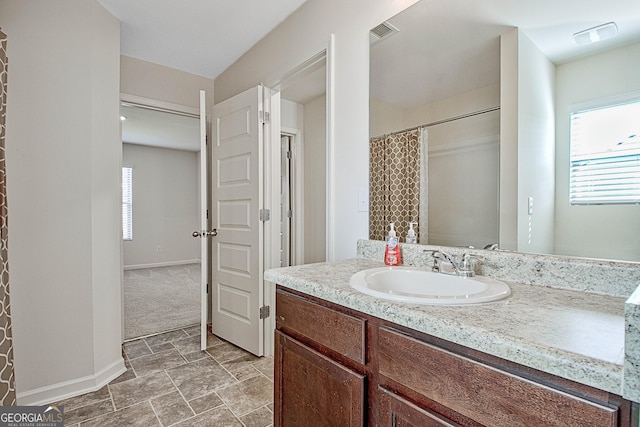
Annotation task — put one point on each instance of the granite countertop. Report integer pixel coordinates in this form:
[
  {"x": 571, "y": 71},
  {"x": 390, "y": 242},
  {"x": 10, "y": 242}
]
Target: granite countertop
[{"x": 569, "y": 333}]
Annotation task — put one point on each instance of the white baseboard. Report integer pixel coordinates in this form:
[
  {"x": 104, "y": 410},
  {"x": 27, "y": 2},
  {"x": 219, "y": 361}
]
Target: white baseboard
[
  {"x": 161, "y": 264},
  {"x": 57, "y": 392}
]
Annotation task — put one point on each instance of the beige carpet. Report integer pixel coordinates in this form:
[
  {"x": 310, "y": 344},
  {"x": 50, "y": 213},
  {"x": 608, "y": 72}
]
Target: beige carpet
[{"x": 161, "y": 299}]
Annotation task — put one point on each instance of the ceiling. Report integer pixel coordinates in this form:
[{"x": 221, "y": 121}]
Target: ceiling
[
  {"x": 447, "y": 47},
  {"x": 202, "y": 37}
]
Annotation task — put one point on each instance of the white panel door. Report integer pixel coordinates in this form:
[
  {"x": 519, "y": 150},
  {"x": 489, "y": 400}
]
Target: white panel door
[{"x": 237, "y": 197}]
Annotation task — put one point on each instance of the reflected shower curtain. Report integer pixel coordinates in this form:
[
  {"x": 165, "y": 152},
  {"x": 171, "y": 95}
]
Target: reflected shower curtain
[
  {"x": 7, "y": 386},
  {"x": 397, "y": 177}
]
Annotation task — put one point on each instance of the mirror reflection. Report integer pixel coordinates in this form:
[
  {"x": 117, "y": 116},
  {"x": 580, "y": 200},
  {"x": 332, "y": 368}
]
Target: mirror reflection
[{"x": 490, "y": 87}]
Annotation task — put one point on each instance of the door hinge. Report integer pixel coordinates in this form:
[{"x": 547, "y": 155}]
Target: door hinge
[
  {"x": 265, "y": 215},
  {"x": 207, "y": 213},
  {"x": 264, "y": 311},
  {"x": 289, "y": 155},
  {"x": 289, "y": 214},
  {"x": 264, "y": 117},
  {"x": 208, "y": 288}
]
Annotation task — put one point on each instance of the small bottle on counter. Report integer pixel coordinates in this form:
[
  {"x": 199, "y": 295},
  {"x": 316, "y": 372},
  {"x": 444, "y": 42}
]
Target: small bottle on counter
[
  {"x": 411, "y": 234},
  {"x": 392, "y": 255}
]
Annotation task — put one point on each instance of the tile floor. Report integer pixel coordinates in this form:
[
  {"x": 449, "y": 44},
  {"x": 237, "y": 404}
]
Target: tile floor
[{"x": 170, "y": 382}]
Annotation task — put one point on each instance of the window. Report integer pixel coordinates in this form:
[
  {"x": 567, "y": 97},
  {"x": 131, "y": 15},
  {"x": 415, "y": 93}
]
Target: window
[
  {"x": 127, "y": 198},
  {"x": 605, "y": 155}
]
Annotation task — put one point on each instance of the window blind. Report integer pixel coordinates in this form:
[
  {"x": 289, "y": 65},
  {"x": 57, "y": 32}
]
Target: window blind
[
  {"x": 127, "y": 201},
  {"x": 605, "y": 155}
]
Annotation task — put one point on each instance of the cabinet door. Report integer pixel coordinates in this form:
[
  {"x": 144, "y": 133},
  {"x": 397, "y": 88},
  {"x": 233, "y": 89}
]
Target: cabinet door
[
  {"x": 313, "y": 390},
  {"x": 395, "y": 411}
]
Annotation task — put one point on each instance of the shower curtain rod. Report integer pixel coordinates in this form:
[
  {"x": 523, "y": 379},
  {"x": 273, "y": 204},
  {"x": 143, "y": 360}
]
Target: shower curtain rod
[{"x": 451, "y": 119}]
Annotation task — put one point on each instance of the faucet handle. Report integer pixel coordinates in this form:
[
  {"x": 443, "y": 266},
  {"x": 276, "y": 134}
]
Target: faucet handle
[
  {"x": 467, "y": 265},
  {"x": 436, "y": 259}
]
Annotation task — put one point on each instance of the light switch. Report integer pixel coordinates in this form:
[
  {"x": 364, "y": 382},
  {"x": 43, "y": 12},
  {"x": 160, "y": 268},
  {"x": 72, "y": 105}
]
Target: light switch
[{"x": 363, "y": 200}]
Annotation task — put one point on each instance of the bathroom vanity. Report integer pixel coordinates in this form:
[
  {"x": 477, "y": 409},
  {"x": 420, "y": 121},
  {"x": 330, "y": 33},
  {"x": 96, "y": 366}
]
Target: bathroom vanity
[{"x": 541, "y": 357}]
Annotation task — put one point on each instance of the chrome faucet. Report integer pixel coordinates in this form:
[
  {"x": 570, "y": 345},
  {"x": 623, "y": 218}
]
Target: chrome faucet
[
  {"x": 438, "y": 257},
  {"x": 465, "y": 267}
]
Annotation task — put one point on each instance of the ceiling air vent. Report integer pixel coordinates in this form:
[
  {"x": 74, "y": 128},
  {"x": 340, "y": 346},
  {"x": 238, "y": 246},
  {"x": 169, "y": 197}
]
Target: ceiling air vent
[{"x": 382, "y": 31}]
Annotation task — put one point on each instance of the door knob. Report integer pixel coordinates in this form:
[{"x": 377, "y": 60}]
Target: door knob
[{"x": 205, "y": 233}]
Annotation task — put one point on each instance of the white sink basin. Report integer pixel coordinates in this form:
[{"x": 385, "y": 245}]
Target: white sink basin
[{"x": 414, "y": 285}]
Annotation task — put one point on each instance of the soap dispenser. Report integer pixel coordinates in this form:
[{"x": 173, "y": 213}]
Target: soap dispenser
[
  {"x": 392, "y": 255},
  {"x": 411, "y": 234}
]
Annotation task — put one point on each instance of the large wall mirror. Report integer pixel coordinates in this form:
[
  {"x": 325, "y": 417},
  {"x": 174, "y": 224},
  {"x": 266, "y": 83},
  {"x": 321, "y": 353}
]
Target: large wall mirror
[{"x": 488, "y": 87}]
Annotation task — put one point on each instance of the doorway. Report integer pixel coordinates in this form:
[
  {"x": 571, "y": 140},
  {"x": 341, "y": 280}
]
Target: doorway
[
  {"x": 303, "y": 121},
  {"x": 162, "y": 266},
  {"x": 284, "y": 131}
]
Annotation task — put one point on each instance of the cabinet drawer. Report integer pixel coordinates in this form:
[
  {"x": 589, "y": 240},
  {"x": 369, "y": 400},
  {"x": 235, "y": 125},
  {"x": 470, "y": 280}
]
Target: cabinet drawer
[
  {"x": 479, "y": 392},
  {"x": 398, "y": 412},
  {"x": 332, "y": 329}
]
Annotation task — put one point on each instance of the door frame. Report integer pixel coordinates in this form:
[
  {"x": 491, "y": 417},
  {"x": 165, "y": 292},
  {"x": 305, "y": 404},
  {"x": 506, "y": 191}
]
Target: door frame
[
  {"x": 298, "y": 180},
  {"x": 308, "y": 63}
]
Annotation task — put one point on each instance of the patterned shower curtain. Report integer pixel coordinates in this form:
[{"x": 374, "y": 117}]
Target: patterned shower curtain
[
  {"x": 395, "y": 163},
  {"x": 7, "y": 386}
]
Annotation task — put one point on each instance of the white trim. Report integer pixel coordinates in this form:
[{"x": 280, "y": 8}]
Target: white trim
[
  {"x": 203, "y": 205},
  {"x": 298, "y": 169},
  {"x": 161, "y": 264},
  {"x": 271, "y": 202},
  {"x": 592, "y": 104},
  {"x": 302, "y": 68},
  {"x": 72, "y": 388},
  {"x": 330, "y": 85},
  {"x": 162, "y": 105},
  {"x": 265, "y": 231}
]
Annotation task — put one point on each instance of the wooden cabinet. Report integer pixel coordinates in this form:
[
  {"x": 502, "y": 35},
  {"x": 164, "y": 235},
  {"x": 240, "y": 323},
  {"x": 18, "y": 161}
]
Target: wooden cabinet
[
  {"x": 330, "y": 329},
  {"x": 314, "y": 384},
  {"x": 395, "y": 411},
  {"x": 339, "y": 367},
  {"x": 313, "y": 390},
  {"x": 460, "y": 387}
]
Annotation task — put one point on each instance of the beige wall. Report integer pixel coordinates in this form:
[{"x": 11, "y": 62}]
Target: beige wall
[
  {"x": 385, "y": 118},
  {"x": 309, "y": 120},
  {"x": 296, "y": 39},
  {"x": 157, "y": 82},
  {"x": 64, "y": 190},
  {"x": 508, "y": 212},
  {"x": 527, "y": 82},
  {"x": 536, "y": 99},
  {"x": 594, "y": 231},
  {"x": 536, "y": 145},
  {"x": 463, "y": 164},
  {"x": 315, "y": 180},
  {"x": 165, "y": 206}
]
